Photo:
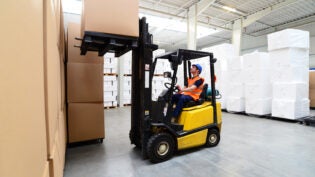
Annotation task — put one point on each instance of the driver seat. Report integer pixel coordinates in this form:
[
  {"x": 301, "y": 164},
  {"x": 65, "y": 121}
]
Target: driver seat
[{"x": 201, "y": 99}]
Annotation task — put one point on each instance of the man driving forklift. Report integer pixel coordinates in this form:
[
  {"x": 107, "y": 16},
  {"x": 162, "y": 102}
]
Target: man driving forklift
[{"x": 190, "y": 93}]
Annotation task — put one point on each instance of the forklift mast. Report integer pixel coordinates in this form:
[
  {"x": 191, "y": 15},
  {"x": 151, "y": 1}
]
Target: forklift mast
[{"x": 141, "y": 87}]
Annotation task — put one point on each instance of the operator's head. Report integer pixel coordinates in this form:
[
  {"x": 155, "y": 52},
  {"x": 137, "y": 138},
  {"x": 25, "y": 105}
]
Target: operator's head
[{"x": 197, "y": 67}]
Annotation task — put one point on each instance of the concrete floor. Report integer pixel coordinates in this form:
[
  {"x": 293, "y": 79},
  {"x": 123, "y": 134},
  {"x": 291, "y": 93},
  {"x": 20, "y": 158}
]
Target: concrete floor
[{"x": 249, "y": 147}]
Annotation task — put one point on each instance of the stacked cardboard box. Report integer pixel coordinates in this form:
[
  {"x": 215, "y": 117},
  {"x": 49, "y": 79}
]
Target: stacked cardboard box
[
  {"x": 312, "y": 88},
  {"x": 257, "y": 83},
  {"x": 289, "y": 56},
  {"x": 85, "y": 91},
  {"x": 32, "y": 111},
  {"x": 222, "y": 53}
]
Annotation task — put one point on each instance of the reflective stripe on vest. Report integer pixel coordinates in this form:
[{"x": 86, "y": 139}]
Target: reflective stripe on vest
[{"x": 195, "y": 94}]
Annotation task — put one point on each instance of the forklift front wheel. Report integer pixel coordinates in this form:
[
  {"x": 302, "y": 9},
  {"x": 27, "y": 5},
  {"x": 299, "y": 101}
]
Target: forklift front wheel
[
  {"x": 213, "y": 138},
  {"x": 160, "y": 147}
]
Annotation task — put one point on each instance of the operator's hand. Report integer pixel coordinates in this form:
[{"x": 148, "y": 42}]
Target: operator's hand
[{"x": 178, "y": 88}]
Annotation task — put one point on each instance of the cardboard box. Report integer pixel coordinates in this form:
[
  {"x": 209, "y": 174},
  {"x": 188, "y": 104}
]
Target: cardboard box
[
  {"x": 52, "y": 76},
  {"x": 111, "y": 16},
  {"x": 85, "y": 82},
  {"x": 312, "y": 97},
  {"x": 55, "y": 163},
  {"x": 85, "y": 121},
  {"x": 23, "y": 146},
  {"x": 312, "y": 78},
  {"x": 74, "y": 52},
  {"x": 46, "y": 170}
]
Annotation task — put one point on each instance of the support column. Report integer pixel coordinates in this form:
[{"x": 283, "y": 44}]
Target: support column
[
  {"x": 237, "y": 35},
  {"x": 192, "y": 28}
]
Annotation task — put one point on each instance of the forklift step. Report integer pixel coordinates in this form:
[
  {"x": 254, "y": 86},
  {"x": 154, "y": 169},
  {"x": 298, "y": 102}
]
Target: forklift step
[{"x": 177, "y": 127}]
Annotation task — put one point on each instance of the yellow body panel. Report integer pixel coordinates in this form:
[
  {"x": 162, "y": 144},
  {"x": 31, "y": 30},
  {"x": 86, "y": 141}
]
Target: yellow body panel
[
  {"x": 196, "y": 117},
  {"x": 192, "y": 140}
]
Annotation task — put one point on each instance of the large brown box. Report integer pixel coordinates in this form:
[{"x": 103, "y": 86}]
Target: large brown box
[
  {"x": 312, "y": 79},
  {"x": 312, "y": 97},
  {"x": 23, "y": 150},
  {"x": 85, "y": 82},
  {"x": 52, "y": 76},
  {"x": 85, "y": 121},
  {"x": 74, "y": 52},
  {"x": 111, "y": 16}
]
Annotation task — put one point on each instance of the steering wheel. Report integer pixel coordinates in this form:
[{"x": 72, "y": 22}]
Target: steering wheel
[{"x": 168, "y": 86}]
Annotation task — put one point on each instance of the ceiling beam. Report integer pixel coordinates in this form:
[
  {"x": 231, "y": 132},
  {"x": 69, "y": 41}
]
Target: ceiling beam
[
  {"x": 292, "y": 24},
  {"x": 210, "y": 25},
  {"x": 203, "y": 5},
  {"x": 260, "y": 14}
]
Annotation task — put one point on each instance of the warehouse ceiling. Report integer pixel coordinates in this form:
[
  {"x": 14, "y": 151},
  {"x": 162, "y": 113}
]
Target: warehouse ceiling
[
  {"x": 273, "y": 15},
  {"x": 168, "y": 18}
]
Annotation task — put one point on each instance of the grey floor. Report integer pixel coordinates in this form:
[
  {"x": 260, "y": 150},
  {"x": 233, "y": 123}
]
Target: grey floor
[{"x": 249, "y": 147}]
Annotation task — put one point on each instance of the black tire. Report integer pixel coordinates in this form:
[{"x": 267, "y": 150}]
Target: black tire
[
  {"x": 160, "y": 147},
  {"x": 213, "y": 138}
]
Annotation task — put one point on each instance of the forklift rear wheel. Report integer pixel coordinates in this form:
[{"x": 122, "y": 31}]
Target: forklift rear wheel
[
  {"x": 160, "y": 147},
  {"x": 213, "y": 138}
]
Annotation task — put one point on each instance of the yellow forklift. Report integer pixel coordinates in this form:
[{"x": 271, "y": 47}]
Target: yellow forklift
[{"x": 151, "y": 127}]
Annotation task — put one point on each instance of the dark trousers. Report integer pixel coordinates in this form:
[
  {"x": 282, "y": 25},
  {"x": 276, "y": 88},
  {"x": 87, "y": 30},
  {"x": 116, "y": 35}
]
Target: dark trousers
[{"x": 180, "y": 100}]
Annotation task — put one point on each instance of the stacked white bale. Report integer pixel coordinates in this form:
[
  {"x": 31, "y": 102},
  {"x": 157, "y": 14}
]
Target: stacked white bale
[
  {"x": 157, "y": 86},
  {"x": 289, "y": 56},
  {"x": 258, "y": 89},
  {"x": 125, "y": 62},
  {"x": 222, "y": 53},
  {"x": 125, "y": 65},
  {"x": 110, "y": 90},
  {"x": 110, "y": 64},
  {"x": 158, "y": 79},
  {"x": 126, "y": 92},
  {"x": 235, "y": 99}
]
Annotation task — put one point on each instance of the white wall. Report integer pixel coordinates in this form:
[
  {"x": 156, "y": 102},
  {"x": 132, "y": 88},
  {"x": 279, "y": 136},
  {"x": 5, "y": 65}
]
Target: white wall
[{"x": 250, "y": 43}]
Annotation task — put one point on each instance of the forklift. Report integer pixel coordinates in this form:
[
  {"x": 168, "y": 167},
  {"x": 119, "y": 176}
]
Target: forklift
[{"x": 151, "y": 127}]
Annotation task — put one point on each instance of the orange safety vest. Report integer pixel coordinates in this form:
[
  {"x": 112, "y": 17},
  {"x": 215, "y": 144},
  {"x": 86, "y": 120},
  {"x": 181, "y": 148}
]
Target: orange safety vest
[{"x": 195, "y": 94}]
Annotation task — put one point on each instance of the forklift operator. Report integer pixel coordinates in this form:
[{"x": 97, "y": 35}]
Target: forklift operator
[{"x": 192, "y": 92}]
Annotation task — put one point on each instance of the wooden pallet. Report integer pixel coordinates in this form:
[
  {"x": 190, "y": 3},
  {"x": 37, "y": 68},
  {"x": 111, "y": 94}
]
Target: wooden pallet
[
  {"x": 110, "y": 107},
  {"x": 110, "y": 74}
]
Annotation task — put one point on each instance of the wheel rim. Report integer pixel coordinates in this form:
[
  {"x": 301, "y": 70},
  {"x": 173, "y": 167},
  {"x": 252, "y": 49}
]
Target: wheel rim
[
  {"x": 213, "y": 138},
  {"x": 163, "y": 148}
]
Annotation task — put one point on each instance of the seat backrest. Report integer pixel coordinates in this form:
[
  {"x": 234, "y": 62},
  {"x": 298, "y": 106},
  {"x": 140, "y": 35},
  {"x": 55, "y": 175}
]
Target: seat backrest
[
  {"x": 201, "y": 99},
  {"x": 203, "y": 94}
]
